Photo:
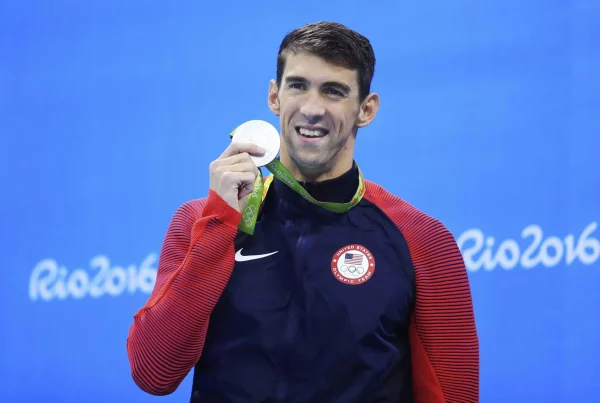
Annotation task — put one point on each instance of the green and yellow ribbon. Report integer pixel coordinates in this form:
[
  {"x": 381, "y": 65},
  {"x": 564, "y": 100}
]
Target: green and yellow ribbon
[{"x": 261, "y": 187}]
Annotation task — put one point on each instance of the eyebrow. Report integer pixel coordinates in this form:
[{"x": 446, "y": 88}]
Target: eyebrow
[{"x": 340, "y": 86}]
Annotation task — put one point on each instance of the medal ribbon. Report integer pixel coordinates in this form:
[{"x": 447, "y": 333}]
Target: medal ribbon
[{"x": 258, "y": 195}]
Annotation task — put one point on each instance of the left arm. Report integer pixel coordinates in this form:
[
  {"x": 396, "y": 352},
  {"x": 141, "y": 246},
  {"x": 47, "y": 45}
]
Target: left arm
[
  {"x": 443, "y": 337},
  {"x": 443, "y": 334}
]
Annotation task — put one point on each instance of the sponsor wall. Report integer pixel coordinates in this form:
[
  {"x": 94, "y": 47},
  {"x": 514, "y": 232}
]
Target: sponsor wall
[{"x": 110, "y": 113}]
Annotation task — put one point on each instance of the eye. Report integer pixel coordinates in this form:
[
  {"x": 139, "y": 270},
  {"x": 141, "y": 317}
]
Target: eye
[
  {"x": 297, "y": 86},
  {"x": 334, "y": 92}
]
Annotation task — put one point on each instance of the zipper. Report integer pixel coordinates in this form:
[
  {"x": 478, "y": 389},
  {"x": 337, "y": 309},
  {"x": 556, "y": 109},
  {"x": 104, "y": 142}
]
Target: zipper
[{"x": 292, "y": 319}]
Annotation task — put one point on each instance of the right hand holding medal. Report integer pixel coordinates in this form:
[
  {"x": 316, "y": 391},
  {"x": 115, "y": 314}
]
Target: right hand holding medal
[{"x": 232, "y": 175}]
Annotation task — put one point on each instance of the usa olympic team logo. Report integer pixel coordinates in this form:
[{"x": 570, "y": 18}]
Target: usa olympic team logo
[{"x": 353, "y": 264}]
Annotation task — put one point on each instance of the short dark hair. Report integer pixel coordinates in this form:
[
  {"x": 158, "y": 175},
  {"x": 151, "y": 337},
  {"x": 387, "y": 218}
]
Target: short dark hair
[{"x": 336, "y": 44}]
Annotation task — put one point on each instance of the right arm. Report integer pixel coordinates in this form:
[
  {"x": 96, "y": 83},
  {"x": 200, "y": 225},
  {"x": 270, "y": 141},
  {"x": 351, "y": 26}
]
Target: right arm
[{"x": 167, "y": 335}]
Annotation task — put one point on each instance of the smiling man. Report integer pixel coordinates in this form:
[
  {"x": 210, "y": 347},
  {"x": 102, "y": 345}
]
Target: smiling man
[
  {"x": 319, "y": 104},
  {"x": 362, "y": 299}
]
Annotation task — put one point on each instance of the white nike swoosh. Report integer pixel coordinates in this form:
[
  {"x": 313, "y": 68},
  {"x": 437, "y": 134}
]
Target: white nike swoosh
[{"x": 240, "y": 258}]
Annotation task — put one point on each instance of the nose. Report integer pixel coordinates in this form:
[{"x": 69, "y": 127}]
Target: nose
[{"x": 313, "y": 107}]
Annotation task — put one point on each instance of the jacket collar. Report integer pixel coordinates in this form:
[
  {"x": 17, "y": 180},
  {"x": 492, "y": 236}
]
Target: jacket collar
[{"x": 336, "y": 190}]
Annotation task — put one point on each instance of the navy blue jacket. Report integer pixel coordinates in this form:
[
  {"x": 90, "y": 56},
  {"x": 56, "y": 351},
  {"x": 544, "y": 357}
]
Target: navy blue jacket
[{"x": 372, "y": 305}]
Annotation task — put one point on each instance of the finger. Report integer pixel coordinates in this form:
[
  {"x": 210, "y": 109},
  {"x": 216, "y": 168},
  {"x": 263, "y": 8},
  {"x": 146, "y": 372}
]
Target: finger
[
  {"x": 246, "y": 180},
  {"x": 244, "y": 191},
  {"x": 242, "y": 147},
  {"x": 243, "y": 164},
  {"x": 247, "y": 166},
  {"x": 238, "y": 180},
  {"x": 234, "y": 159}
]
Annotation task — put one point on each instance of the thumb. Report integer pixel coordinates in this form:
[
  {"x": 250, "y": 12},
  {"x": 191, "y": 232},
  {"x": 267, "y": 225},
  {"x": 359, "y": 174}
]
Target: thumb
[{"x": 242, "y": 201}]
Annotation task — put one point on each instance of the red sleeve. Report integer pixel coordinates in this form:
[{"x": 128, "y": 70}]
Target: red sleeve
[
  {"x": 443, "y": 335},
  {"x": 167, "y": 335}
]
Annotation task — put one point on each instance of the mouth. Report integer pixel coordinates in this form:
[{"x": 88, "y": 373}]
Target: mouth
[{"x": 311, "y": 132}]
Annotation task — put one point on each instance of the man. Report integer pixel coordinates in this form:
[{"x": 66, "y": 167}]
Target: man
[{"x": 369, "y": 304}]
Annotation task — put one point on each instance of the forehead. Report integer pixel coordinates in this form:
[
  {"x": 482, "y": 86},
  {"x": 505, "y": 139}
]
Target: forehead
[{"x": 317, "y": 70}]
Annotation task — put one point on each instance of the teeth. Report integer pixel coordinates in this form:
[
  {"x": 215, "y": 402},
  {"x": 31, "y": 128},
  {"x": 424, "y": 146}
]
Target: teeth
[{"x": 311, "y": 133}]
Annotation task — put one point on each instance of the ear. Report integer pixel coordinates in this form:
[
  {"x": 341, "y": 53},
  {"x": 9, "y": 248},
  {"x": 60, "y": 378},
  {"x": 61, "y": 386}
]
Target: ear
[
  {"x": 273, "y": 97},
  {"x": 368, "y": 110}
]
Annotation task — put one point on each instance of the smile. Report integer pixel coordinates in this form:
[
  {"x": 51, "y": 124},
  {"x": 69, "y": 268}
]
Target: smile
[{"x": 312, "y": 132}]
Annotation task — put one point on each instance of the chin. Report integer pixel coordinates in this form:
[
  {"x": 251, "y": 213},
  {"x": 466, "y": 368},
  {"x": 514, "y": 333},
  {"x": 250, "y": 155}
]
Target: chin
[
  {"x": 311, "y": 167},
  {"x": 309, "y": 162}
]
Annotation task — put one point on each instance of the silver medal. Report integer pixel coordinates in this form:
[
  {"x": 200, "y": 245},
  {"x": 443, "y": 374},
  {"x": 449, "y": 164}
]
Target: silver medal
[{"x": 261, "y": 133}]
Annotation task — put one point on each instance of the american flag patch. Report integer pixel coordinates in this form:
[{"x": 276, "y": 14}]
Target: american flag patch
[{"x": 353, "y": 258}]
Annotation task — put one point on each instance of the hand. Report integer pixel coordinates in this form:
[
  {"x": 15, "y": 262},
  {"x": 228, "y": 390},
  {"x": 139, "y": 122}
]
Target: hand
[{"x": 232, "y": 175}]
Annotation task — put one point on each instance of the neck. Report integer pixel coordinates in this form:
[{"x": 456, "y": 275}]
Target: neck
[
  {"x": 318, "y": 174},
  {"x": 327, "y": 187}
]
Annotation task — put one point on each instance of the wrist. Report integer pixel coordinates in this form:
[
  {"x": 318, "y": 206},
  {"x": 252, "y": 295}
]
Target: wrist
[{"x": 217, "y": 207}]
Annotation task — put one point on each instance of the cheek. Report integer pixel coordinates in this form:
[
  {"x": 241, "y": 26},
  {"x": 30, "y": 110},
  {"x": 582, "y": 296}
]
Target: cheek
[
  {"x": 286, "y": 105},
  {"x": 285, "y": 114},
  {"x": 350, "y": 117},
  {"x": 287, "y": 110},
  {"x": 345, "y": 119}
]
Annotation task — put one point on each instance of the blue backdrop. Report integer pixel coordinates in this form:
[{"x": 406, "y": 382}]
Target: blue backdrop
[{"x": 111, "y": 111}]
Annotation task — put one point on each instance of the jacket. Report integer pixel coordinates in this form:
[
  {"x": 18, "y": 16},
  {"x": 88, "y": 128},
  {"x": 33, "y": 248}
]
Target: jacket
[{"x": 372, "y": 305}]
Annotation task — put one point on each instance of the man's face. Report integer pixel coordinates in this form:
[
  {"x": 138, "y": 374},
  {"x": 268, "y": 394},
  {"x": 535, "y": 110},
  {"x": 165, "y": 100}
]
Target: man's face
[{"x": 319, "y": 111}]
